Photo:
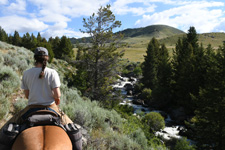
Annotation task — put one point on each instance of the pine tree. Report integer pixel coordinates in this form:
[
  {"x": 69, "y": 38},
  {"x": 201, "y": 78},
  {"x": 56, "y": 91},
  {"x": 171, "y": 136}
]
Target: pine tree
[
  {"x": 55, "y": 45},
  {"x": 39, "y": 38},
  {"x": 188, "y": 69},
  {"x": 26, "y": 41},
  {"x": 33, "y": 42},
  {"x": 65, "y": 48},
  {"x": 192, "y": 38},
  {"x": 10, "y": 39},
  {"x": 157, "y": 73},
  {"x": 99, "y": 60},
  {"x": 150, "y": 65},
  {"x": 16, "y": 39},
  {"x": 162, "y": 93},
  {"x": 3, "y": 35},
  {"x": 210, "y": 124}
]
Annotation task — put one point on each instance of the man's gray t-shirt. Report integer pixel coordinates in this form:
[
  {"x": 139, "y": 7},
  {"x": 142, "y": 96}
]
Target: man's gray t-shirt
[{"x": 40, "y": 90}]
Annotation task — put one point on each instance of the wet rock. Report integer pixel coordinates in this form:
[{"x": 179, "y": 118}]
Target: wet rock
[
  {"x": 129, "y": 92},
  {"x": 137, "y": 101},
  {"x": 129, "y": 86}
]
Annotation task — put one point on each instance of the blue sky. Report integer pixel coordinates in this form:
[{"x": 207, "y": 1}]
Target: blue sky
[{"x": 64, "y": 17}]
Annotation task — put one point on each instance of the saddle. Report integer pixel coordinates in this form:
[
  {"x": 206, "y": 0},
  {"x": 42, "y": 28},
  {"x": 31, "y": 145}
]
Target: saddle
[{"x": 37, "y": 117}]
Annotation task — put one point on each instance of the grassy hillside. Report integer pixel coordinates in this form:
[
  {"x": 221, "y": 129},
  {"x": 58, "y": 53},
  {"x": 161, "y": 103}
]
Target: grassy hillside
[
  {"x": 106, "y": 128},
  {"x": 215, "y": 39},
  {"x": 137, "y": 46},
  {"x": 138, "y": 39}
]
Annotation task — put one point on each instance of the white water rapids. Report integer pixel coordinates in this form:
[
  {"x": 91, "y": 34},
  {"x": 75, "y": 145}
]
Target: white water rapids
[{"x": 168, "y": 132}]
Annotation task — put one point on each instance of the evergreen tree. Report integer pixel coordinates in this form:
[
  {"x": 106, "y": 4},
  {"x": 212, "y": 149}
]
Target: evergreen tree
[
  {"x": 10, "y": 39},
  {"x": 150, "y": 65},
  {"x": 65, "y": 48},
  {"x": 16, "y": 39},
  {"x": 162, "y": 93},
  {"x": 188, "y": 69},
  {"x": 33, "y": 42},
  {"x": 210, "y": 124},
  {"x": 55, "y": 45},
  {"x": 39, "y": 38},
  {"x": 157, "y": 73},
  {"x": 3, "y": 35},
  {"x": 99, "y": 60},
  {"x": 26, "y": 41},
  {"x": 192, "y": 38}
]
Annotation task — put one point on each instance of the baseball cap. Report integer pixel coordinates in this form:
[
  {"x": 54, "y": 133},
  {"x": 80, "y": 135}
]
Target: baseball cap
[{"x": 41, "y": 51}]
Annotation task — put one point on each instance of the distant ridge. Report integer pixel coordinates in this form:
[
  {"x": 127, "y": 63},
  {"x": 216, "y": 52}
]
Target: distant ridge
[
  {"x": 157, "y": 31},
  {"x": 152, "y": 31}
]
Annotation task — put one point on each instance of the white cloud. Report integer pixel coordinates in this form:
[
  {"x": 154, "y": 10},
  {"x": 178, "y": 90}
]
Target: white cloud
[
  {"x": 21, "y": 24},
  {"x": 48, "y": 16},
  {"x": 3, "y": 2},
  {"x": 18, "y": 7},
  {"x": 70, "y": 8},
  {"x": 60, "y": 30},
  {"x": 197, "y": 14},
  {"x": 121, "y": 7}
]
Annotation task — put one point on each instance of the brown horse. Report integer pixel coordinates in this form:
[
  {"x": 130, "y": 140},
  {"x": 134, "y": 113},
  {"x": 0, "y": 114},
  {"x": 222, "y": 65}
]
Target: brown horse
[{"x": 43, "y": 138}]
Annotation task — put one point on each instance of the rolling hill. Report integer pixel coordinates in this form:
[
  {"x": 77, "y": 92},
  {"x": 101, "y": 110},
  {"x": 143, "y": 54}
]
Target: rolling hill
[{"x": 158, "y": 31}]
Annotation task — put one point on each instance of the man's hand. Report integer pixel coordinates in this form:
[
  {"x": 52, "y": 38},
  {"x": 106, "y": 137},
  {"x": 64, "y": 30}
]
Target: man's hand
[{"x": 57, "y": 101}]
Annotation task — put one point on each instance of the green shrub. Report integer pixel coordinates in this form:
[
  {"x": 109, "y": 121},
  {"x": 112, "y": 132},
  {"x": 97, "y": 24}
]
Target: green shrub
[
  {"x": 4, "y": 105},
  {"x": 16, "y": 61},
  {"x": 85, "y": 112},
  {"x": 20, "y": 104},
  {"x": 8, "y": 60},
  {"x": 124, "y": 110},
  {"x": 3, "y": 45},
  {"x": 154, "y": 120},
  {"x": 108, "y": 139},
  {"x": 146, "y": 94},
  {"x": 183, "y": 144},
  {"x": 139, "y": 136},
  {"x": 9, "y": 80},
  {"x": 1, "y": 58},
  {"x": 137, "y": 71},
  {"x": 131, "y": 124}
]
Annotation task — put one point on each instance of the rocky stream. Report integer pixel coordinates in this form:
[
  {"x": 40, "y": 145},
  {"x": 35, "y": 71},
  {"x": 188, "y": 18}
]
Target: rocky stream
[{"x": 126, "y": 86}]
